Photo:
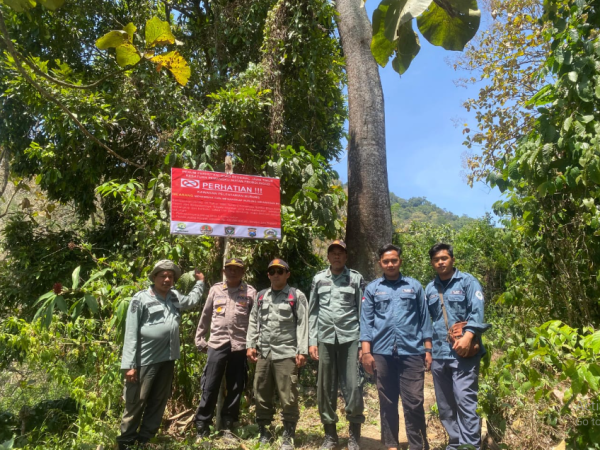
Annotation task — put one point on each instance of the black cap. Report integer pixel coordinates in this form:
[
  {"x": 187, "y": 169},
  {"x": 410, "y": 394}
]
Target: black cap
[
  {"x": 279, "y": 263},
  {"x": 237, "y": 262},
  {"x": 337, "y": 243}
]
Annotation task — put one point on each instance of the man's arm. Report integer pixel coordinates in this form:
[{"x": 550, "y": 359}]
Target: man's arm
[
  {"x": 313, "y": 321},
  {"x": 475, "y": 306},
  {"x": 425, "y": 325},
  {"x": 195, "y": 296},
  {"x": 302, "y": 324},
  {"x": 204, "y": 323},
  {"x": 252, "y": 334},
  {"x": 131, "y": 341}
]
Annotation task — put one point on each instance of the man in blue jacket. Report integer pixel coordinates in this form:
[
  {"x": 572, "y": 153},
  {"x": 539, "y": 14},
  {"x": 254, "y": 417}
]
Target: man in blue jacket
[
  {"x": 455, "y": 376},
  {"x": 395, "y": 331}
]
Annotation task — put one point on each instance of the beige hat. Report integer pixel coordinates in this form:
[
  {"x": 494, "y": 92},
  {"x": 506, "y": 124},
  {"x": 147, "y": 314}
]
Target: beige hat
[{"x": 165, "y": 264}]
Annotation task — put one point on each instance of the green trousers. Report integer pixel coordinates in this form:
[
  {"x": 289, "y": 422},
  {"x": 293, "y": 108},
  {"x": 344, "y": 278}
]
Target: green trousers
[
  {"x": 279, "y": 376},
  {"x": 338, "y": 365}
]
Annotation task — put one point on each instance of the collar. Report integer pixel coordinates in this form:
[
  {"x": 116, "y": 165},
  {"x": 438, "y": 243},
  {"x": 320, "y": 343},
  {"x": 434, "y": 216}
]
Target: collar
[
  {"x": 285, "y": 290},
  {"x": 329, "y": 274},
  {"x": 241, "y": 287},
  {"x": 458, "y": 275},
  {"x": 400, "y": 279},
  {"x": 155, "y": 294}
]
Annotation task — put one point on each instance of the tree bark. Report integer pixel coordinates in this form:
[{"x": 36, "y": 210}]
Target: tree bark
[{"x": 369, "y": 223}]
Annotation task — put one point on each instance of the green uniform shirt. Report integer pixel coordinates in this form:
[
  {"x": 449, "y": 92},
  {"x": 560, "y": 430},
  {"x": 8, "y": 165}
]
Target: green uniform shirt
[
  {"x": 152, "y": 326},
  {"x": 334, "y": 310},
  {"x": 273, "y": 327}
]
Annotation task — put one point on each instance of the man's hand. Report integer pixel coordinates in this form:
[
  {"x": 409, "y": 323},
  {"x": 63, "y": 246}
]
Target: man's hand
[
  {"x": 368, "y": 362},
  {"x": 252, "y": 355},
  {"x": 428, "y": 360},
  {"x": 300, "y": 360},
  {"x": 313, "y": 350},
  {"x": 461, "y": 347},
  {"x": 359, "y": 353},
  {"x": 199, "y": 276},
  {"x": 131, "y": 376}
]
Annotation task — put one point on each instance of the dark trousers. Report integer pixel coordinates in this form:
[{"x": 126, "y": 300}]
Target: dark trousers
[
  {"x": 456, "y": 385},
  {"x": 402, "y": 376},
  {"x": 338, "y": 364},
  {"x": 233, "y": 364},
  {"x": 145, "y": 402},
  {"x": 279, "y": 376}
]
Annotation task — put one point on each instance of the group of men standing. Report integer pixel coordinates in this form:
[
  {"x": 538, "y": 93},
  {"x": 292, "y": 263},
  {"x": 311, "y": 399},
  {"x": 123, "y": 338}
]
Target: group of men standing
[{"x": 392, "y": 328}]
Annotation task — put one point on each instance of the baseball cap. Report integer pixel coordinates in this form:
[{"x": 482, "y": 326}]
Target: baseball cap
[
  {"x": 237, "y": 262},
  {"x": 279, "y": 263},
  {"x": 338, "y": 243}
]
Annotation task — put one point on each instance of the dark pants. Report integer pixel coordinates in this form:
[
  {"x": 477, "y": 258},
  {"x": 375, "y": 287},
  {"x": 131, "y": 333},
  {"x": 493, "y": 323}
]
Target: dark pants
[
  {"x": 402, "y": 376},
  {"x": 338, "y": 363},
  {"x": 233, "y": 364},
  {"x": 145, "y": 402},
  {"x": 456, "y": 385},
  {"x": 279, "y": 376}
]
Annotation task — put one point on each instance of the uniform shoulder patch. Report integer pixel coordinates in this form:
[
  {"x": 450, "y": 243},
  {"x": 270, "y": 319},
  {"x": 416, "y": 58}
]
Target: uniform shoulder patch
[
  {"x": 135, "y": 304},
  {"x": 479, "y": 295}
]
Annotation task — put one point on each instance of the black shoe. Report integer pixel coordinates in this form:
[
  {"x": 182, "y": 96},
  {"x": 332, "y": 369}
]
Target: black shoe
[
  {"x": 331, "y": 438},
  {"x": 202, "y": 430},
  {"x": 289, "y": 432},
  {"x": 354, "y": 436},
  {"x": 265, "y": 435}
]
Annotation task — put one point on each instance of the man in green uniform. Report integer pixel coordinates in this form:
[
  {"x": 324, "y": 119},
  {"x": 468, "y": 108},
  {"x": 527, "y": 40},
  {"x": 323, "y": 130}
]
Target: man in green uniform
[
  {"x": 150, "y": 349},
  {"x": 277, "y": 342},
  {"x": 334, "y": 329}
]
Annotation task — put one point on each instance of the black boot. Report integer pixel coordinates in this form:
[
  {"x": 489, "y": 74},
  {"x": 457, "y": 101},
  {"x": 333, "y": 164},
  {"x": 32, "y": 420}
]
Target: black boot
[
  {"x": 354, "y": 436},
  {"x": 228, "y": 436},
  {"x": 289, "y": 432},
  {"x": 265, "y": 435},
  {"x": 331, "y": 438},
  {"x": 202, "y": 430}
]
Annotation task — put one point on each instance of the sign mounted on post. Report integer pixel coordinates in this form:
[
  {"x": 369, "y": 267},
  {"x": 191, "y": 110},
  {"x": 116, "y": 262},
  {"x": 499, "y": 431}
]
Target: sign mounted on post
[{"x": 219, "y": 204}]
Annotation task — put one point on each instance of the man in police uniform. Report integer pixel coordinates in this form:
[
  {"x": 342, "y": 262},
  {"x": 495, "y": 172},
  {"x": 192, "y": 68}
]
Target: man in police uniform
[
  {"x": 395, "y": 331},
  {"x": 334, "y": 329},
  {"x": 277, "y": 342},
  {"x": 150, "y": 349},
  {"x": 455, "y": 377},
  {"x": 226, "y": 315}
]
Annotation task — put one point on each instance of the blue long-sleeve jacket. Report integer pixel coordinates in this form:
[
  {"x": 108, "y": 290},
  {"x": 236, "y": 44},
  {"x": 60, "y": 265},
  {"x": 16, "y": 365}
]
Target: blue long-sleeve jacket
[
  {"x": 394, "y": 315},
  {"x": 463, "y": 299}
]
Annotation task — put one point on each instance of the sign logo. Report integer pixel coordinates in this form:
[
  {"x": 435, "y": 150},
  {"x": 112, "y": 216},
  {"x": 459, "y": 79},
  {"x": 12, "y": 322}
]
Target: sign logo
[
  {"x": 181, "y": 226},
  {"x": 270, "y": 233},
  {"x": 229, "y": 231},
  {"x": 252, "y": 232},
  {"x": 206, "y": 229},
  {"x": 186, "y": 182}
]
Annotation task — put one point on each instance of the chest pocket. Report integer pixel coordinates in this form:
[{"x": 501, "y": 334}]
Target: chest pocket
[
  {"x": 457, "y": 303},
  {"x": 242, "y": 310},
  {"x": 382, "y": 304},
  {"x": 324, "y": 294},
  {"x": 156, "y": 314},
  {"x": 285, "y": 312},
  {"x": 347, "y": 293},
  {"x": 434, "y": 305},
  {"x": 219, "y": 307}
]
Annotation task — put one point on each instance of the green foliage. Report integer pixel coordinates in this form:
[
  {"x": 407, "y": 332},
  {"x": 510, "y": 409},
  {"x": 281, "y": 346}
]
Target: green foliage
[
  {"x": 450, "y": 24},
  {"x": 551, "y": 181},
  {"x": 419, "y": 209}
]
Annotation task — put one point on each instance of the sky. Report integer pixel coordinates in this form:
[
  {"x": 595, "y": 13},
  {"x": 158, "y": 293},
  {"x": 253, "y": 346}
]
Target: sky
[{"x": 424, "y": 147}]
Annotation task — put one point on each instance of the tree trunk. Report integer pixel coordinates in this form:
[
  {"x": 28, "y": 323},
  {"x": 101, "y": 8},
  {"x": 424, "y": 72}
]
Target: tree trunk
[{"x": 369, "y": 216}]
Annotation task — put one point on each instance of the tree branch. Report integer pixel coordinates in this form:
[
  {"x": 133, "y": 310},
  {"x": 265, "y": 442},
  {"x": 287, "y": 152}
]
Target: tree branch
[
  {"x": 11, "y": 49},
  {"x": 10, "y": 201}
]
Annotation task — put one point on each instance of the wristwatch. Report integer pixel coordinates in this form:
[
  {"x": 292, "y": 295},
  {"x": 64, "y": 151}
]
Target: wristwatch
[{"x": 427, "y": 350}]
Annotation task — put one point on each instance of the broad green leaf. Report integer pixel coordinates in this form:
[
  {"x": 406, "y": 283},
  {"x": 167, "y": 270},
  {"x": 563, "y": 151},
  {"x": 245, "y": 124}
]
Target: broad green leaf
[
  {"x": 158, "y": 33},
  {"x": 407, "y": 48},
  {"x": 451, "y": 26},
  {"x": 127, "y": 55},
  {"x": 52, "y": 5},
  {"x": 593, "y": 341},
  {"x": 96, "y": 275},
  {"x": 20, "y": 5},
  {"x": 381, "y": 47},
  {"x": 112, "y": 39},
  {"x": 400, "y": 12},
  {"x": 130, "y": 29},
  {"x": 573, "y": 76},
  {"x": 92, "y": 303},
  {"x": 176, "y": 64},
  {"x": 61, "y": 304},
  {"x": 44, "y": 297},
  {"x": 75, "y": 277}
]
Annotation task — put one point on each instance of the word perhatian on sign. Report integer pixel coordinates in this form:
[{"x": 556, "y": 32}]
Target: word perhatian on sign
[{"x": 219, "y": 204}]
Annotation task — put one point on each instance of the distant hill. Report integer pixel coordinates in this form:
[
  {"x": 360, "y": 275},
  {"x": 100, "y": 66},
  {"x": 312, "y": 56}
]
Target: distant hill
[{"x": 419, "y": 209}]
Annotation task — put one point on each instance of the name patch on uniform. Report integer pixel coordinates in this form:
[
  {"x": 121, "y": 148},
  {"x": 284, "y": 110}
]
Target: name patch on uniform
[
  {"x": 381, "y": 293},
  {"x": 457, "y": 293},
  {"x": 479, "y": 295},
  {"x": 432, "y": 296},
  {"x": 408, "y": 291}
]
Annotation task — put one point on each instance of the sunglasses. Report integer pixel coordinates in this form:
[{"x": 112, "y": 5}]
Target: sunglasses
[{"x": 278, "y": 271}]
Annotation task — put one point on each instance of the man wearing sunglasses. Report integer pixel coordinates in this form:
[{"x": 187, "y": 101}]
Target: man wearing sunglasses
[
  {"x": 334, "y": 329},
  {"x": 277, "y": 342},
  {"x": 226, "y": 315}
]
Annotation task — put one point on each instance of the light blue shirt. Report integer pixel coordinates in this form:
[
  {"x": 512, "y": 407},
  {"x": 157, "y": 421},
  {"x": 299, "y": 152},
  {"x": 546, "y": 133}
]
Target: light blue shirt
[{"x": 394, "y": 315}]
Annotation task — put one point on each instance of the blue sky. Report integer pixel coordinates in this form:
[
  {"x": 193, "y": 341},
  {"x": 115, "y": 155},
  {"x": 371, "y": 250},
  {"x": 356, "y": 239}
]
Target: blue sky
[{"x": 424, "y": 147}]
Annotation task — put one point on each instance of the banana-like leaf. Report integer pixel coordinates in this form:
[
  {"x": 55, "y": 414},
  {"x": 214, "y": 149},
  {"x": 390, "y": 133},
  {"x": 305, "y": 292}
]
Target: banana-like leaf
[
  {"x": 20, "y": 5},
  {"x": 381, "y": 47},
  {"x": 407, "y": 48},
  {"x": 52, "y": 5},
  {"x": 158, "y": 33},
  {"x": 127, "y": 55},
  {"x": 401, "y": 11},
  {"x": 450, "y": 24},
  {"x": 113, "y": 39},
  {"x": 176, "y": 64}
]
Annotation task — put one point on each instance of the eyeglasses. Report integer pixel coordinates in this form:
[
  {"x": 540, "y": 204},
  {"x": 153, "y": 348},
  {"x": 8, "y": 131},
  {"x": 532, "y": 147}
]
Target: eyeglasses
[{"x": 278, "y": 271}]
